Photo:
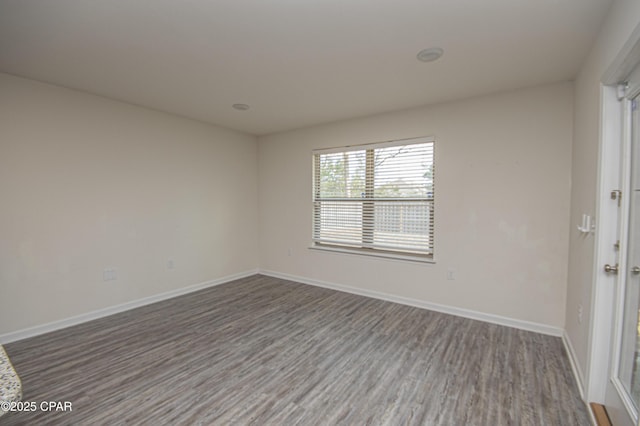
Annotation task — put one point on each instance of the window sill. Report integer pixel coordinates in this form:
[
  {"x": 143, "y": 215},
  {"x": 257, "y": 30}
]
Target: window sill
[{"x": 384, "y": 255}]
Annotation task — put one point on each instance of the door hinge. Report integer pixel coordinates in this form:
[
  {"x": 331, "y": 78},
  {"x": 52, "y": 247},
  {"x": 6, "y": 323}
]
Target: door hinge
[
  {"x": 621, "y": 90},
  {"x": 634, "y": 105},
  {"x": 616, "y": 194}
]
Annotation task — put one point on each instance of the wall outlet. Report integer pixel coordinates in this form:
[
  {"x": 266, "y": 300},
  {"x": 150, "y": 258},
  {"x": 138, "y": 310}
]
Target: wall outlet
[
  {"x": 579, "y": 314},
  {"x": 288, "y": 252},
  {"x": 171, "y": 264},
  {"x": 109, "y": 274},
  {"x": 451, "y": 274}
]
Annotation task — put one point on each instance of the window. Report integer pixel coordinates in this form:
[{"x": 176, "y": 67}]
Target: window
[{"x": 375, "y": 199}]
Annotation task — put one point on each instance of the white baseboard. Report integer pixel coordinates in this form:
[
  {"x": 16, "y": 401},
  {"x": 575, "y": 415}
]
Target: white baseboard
[
  {"x": 461, "y": 312},
  {"x": 78, "y": 319},
  {"x": 571, "y": 353},
  {"x": 577, "y": 373}
]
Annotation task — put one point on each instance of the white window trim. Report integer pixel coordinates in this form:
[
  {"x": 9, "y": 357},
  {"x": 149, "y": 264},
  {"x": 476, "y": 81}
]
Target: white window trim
[
  {"x": 375, "y": 145},
  {"x": 373, "y": 253}
]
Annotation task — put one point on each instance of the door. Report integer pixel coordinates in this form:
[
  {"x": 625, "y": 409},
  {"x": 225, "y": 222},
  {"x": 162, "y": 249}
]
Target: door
[{"x": 623, "y": 389}]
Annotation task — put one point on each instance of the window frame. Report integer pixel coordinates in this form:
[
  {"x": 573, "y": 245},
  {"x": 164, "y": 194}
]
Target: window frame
[{"x": 399, "y": 254}]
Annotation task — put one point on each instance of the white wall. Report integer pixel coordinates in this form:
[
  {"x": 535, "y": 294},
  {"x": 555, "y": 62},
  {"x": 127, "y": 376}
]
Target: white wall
[
  {"x": 502, "y": 204},
  {"x": 88, "y": 183},
  {"x": 623, "y": 17}
]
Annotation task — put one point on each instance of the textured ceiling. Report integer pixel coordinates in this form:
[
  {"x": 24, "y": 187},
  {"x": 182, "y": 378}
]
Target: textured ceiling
[{"x": 295, "y": 62}]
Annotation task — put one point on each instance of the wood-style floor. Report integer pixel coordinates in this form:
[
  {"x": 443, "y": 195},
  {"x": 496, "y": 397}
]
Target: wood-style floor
[{"x": 265, "y": 351}]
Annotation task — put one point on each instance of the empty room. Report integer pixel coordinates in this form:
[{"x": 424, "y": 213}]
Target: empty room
[{"x": 319, "y": 212}]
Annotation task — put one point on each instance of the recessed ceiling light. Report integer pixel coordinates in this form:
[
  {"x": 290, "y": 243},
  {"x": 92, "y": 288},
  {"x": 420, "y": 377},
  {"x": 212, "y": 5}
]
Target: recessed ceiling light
[
  {"x": 430, "y": 54},
  {"x": 241, "y": 107}
]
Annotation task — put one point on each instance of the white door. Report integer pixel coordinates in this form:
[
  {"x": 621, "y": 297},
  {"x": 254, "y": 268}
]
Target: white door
[{"x": 623, "y": 388}]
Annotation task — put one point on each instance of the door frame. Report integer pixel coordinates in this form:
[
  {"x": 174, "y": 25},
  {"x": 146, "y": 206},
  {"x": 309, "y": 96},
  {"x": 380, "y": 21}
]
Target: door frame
[
  {"x": 621, "y": 403},
  {"x": 603, "y": 293},
  {"x": 605, "y": 296}
]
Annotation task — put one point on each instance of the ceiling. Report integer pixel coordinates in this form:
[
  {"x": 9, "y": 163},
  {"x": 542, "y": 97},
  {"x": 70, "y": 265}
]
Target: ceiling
[{"x": 295, "y": 62}]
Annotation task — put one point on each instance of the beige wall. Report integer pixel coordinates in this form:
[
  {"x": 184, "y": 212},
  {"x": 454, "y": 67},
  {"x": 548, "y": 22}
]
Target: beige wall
[
  {"x": 622, "y": 19},
  {"x": 89, "y": 183},
  {"x": 502, "y": 204}
]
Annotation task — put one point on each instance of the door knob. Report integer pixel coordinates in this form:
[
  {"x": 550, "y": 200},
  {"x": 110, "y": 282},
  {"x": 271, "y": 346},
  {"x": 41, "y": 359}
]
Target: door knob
[
  {"x": 612, "y": 269},
  {"x": 635, "y": 270}
]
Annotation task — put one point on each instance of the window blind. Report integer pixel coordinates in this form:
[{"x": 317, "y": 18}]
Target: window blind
[{"x": 377, "y": 197}]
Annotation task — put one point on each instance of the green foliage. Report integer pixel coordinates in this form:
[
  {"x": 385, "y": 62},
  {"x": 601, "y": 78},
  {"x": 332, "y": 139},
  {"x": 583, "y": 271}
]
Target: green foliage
[{"x": 340, "y": 178}]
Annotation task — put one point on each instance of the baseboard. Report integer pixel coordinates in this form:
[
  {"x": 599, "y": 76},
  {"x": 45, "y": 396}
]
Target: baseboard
[
  {"x": 452, "y": 310},
  {"x": 573, "y": 360},
  {"x": 78, "y": 319},
  {"x": 577, "y": 373}
]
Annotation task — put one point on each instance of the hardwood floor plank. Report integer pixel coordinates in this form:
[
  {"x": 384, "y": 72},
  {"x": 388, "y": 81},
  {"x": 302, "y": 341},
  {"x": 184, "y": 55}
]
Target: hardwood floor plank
[
  {"x": 266, "y": 351},
  {"x": 600, "y": 413}
]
